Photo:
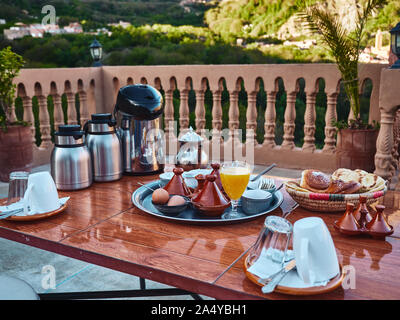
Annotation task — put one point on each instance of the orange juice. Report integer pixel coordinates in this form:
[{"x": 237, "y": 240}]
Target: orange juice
[{"x": 235, "y": 180}]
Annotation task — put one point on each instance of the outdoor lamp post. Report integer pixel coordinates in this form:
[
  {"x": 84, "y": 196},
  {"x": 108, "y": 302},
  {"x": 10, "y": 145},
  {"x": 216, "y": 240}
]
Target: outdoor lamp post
[
  {"x": 395, "y": 45},
  {"x": 96, "y": 50}
]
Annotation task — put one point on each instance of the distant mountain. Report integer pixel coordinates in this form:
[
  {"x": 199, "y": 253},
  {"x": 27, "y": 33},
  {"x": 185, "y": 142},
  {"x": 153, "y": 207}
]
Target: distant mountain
[{"x": 276, "y": 18}]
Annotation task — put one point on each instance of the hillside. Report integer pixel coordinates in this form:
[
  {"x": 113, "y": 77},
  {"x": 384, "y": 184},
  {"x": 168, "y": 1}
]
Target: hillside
[
  {"x": 98, "y": 13},
  {"x": 276, "y": 18},
  {"x": 168, "y": 32}
]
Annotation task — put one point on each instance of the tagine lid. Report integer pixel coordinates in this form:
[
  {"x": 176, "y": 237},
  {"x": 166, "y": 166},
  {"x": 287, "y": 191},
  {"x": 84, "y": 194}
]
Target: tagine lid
[
  {"x": 379, "y": 223},
  {"x": 348, "y": 222},
  {"x": 216, "y": 167},
  {"x": 361, "y": 213},
  {"x": 210, "y": 195},
  {"x": 190, "y": 136},
  {"x": 177, "y": 185}
]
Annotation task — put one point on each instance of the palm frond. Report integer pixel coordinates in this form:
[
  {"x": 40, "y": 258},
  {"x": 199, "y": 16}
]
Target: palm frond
[{"x": 345, "y": 46}]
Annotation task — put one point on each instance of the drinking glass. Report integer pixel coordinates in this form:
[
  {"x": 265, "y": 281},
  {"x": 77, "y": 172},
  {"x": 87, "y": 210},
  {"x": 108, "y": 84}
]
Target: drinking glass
[
  {"x": 235, "y": 177},
  {"x": 273, "y": 242},
  {"x": 17, "y": 186}
]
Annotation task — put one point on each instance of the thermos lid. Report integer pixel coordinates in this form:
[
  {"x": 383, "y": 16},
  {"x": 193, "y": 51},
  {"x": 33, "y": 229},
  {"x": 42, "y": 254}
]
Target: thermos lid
[
  {"x": 69, "y": 130},
  {"x": 140, "y": 101},
  {"x": 100, "y": 118},
  {"x": 69, "y": 135},
  {"x": 100, "y": 123}
]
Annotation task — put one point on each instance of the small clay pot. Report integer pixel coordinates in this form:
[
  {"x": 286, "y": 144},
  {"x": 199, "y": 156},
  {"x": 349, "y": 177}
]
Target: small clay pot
[
  {"x": 210, "y": 200},
  {"x": 177, "y": 185},
  {"x": 347, "y": 224},
  {"x": 379, "y": 227},
  {"x": 361, "y": 214}
]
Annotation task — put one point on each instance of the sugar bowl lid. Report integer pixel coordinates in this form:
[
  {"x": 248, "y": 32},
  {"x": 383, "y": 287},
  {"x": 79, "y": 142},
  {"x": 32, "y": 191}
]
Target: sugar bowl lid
[{"x": 190, "y": 136}]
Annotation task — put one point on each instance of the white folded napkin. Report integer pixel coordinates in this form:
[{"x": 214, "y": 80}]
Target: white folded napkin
[
  {"x": 20, "y": 205},
  {"x": 266, "y": 265}
]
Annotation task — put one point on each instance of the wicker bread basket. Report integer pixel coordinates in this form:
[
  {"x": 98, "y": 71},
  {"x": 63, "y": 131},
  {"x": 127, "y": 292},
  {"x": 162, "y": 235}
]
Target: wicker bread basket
[{"x": 324, "y": 202}]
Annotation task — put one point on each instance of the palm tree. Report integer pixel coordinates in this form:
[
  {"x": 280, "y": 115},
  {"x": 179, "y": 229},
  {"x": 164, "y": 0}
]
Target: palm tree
[{"x": 344, "y": 45}]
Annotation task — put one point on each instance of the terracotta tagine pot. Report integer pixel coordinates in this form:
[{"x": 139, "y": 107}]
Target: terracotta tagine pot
[
  {"x": 348, "y": 224},
  {"x": 16, "y": 151},
  {"x": 216, "y": 167},
  {"x": 201, "y": 180},
  {"x": 361, "y": 214},
  {"x": 177, "y": 185},
  {"x": 210, "y": 201},
  {"x": 379, "y": 227},
  {"x": 356, "y": 148}
]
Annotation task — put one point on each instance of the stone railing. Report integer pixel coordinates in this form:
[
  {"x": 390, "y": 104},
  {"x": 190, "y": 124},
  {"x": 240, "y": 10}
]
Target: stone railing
[
  {"x": 96, "y": 90},
  {"x": 387, "y": 153}
]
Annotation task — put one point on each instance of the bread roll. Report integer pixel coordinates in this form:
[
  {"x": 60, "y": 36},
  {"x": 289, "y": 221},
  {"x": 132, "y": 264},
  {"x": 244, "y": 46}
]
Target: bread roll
[
  {"x": 315, "y": 180},
  {"x": 347, "y": 175},
  {"x": 340, "y": 186}
]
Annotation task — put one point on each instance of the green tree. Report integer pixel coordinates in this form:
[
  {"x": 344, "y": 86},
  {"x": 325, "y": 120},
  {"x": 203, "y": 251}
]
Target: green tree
[{"x": 10, "y": 65}]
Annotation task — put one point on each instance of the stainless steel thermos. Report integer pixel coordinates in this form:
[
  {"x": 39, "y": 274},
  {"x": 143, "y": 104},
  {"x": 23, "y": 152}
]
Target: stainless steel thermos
[
  {"x": 103, "y": 151},
  {"x": 104, "y": 146},
  {"x": 71, "y": 164},
  {"x": 139, "y": 108}
]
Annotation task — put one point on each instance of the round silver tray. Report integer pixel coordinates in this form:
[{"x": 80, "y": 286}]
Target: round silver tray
[{"x": 141, "y": 198}]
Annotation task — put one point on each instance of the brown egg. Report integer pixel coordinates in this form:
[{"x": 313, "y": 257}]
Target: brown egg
[
  {"x": 160, "y": 196},
  {"x": 176, "y": 201}
]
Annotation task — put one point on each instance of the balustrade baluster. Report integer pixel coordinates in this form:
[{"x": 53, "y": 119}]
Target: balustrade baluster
[
  {"x": 233, "y": 122},
  {"x": 289, "y": 125},
  {"x": 309, "y": 123},
  {"x": 251, "y": 117},
  {"x": 28, "y": 116},
  {"x": 169, "y": 123},
  {"x": 58, "y": 111},
  {"x": 270, "y": 118},
  {"x": 169, "y": 113},
  {"x": 72, "y": 116},
  {"x": 11, "y": 113},
  {"x": 83, "y": 107},
  {"x": 396, "y": 142},
  {"x": 45, "y": 129},
  {"x": 200, "y": 112},
  {"x": 330, "y": 130},
  {"x": 184, "y": 110},
  {"x": 384, "y": 145},
  {"x": 216, "y": 112},
  {"x": 216, "y": 138}
]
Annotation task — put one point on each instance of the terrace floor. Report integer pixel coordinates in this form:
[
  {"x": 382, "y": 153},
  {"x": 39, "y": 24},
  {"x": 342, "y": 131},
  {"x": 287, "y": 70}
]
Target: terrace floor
[{"x": 26, "y": 262}]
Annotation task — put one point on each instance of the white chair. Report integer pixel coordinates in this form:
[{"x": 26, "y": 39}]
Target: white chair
[{"x": 16, "y": 289}]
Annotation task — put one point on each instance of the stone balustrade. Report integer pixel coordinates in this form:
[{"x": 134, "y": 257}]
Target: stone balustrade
[{"x": 96, "y": 89}]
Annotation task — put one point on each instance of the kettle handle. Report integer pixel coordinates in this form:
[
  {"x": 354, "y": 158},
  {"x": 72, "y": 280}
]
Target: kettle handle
[
  {"x": 86, "y": 127},
  {"x": 112, "y": 123}
]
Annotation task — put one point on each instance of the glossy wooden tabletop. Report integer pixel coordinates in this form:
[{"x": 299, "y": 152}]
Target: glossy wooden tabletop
[{"x": 101, "y": 226}]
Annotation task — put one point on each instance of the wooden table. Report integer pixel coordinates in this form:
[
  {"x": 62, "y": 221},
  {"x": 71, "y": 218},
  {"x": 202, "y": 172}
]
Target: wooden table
[{"x": 101, "y": 226}]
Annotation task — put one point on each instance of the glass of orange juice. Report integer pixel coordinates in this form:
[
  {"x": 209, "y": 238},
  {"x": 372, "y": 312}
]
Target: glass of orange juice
[{"x": 235, "y": 177}]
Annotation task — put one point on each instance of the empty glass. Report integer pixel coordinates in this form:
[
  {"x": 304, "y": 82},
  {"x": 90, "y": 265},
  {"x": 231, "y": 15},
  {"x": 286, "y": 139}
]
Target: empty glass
[
  {"x": 272, "y": 245},
  {"x": 17, "y": 186}
]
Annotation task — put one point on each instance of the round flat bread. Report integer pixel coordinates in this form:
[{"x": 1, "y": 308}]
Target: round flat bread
[{"x": 346, "y": 175}]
